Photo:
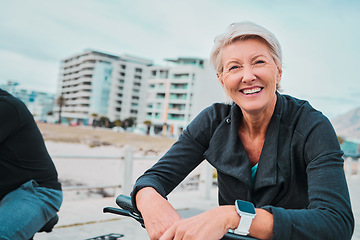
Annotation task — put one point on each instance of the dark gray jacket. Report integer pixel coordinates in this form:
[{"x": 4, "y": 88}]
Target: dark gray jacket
[{"x": 300, "y": 177}]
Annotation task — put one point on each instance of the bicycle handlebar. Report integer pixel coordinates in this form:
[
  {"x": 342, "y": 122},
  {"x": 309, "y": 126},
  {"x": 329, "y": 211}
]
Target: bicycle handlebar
[{"x": 127, "y": 210}]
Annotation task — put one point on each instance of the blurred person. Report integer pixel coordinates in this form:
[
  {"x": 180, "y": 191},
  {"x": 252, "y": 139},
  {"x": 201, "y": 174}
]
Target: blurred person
[
  {"x": 277, "y": 158},
  {"x": 30, "y": 193}
]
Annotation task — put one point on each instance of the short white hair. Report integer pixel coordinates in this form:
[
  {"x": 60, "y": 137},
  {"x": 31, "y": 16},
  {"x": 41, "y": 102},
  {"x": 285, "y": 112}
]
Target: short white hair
[{"x": 242, "y": 31}]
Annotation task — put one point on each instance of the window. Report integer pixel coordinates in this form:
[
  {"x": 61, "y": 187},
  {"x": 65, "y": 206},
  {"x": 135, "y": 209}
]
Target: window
[
  {"x": 180, "y": 117},
  {"x": 179, "y": 86},
  {"x": 181, "y": 76},
  {"x": 164, "y": 74},
  {"x": 160, "y": 95},
  {"x": 177, "y": 96}
]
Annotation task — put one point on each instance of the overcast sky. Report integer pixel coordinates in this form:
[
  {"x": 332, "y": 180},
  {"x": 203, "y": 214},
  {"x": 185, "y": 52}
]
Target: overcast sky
[{"x": 319, "y": 38}]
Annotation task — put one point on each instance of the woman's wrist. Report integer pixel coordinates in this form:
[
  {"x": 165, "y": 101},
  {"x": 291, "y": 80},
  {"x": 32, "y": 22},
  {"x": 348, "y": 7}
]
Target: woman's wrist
[
  {"x": 232, "y": 217},
  {"x": 262, "y": 225},
  {"x": 145, "y": 195}
]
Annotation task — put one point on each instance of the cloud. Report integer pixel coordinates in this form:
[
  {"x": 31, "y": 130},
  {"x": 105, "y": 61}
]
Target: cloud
[
  {"x": 319, "y": 38},
  {"x": 31, "y": 73}
]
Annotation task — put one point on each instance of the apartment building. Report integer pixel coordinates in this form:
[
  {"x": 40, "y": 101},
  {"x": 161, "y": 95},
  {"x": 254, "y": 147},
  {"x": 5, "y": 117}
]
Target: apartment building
[
  {"x": 127, "y": 98},
  {"x": 121, "y": 87},
  {"x": 178, "y": 92},
  {"x": 40, "y": 104},
  {"x": 97, "y": 83}
]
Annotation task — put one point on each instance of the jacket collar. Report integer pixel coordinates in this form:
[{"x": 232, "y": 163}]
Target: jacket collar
[{"x": 233, "y": 159}]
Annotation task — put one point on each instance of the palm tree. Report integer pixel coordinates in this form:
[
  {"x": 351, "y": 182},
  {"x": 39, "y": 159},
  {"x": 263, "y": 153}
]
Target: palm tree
[
  {"x": 341, "y": 139},
  {"x": 60, "y": 101}
]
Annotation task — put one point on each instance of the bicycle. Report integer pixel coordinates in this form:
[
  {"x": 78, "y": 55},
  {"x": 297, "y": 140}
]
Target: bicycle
[{"x": 126, "y": 209}]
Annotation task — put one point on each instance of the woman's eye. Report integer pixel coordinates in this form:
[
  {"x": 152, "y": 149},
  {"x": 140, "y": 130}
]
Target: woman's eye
[
  {"x": 259, "y": 62},
  {"x": 233, "y": 67}
]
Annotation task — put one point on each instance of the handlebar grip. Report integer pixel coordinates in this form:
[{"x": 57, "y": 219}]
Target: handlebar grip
[{"x": 124, "y": 202}]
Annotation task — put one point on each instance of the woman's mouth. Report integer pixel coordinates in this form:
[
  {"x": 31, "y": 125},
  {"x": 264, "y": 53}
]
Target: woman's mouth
[{"x": 251, "y": 90}]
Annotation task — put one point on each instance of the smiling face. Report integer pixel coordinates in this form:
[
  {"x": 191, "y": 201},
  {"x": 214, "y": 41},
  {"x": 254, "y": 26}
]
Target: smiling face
[{"x": 250, "y": 75}]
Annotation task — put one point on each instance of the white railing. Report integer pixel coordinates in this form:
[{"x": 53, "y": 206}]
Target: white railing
[{"x": 125, "y": 182}]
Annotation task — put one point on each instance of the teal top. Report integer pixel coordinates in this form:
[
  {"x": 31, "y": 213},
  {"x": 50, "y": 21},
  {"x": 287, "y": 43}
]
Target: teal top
[{"x": 253, "y": 173}]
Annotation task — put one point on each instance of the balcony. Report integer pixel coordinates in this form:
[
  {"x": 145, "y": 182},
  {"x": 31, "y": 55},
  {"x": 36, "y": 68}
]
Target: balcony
[
  {"x": 86, "y": 72},
  {"x": 176, "y": 117},
  {"x": 176, "y": 96},
  {"x": 87, "y": 65}
]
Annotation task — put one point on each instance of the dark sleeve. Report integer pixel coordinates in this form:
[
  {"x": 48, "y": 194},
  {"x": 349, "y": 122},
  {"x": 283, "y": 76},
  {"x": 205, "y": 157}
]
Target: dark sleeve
[
  {"x": 329, "y": 214},
  {"x": 9, "y": 120},
  {"x": 184, "y": 156}
]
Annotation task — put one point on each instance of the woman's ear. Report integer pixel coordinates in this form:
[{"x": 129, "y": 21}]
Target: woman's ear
[
  {"x": 279, "y": 75},
  {"x": 219, "y": 76}
]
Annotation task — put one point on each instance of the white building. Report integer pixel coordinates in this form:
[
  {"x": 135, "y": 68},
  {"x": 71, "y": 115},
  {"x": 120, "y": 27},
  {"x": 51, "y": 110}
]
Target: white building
[
  {"x": 178, "y": 92},
  {"x": 40, "y": 104},
  {"x": 122, "y": 87},
  {"x": 128, "y": 88},
  {"x": 102, "y": 84}
]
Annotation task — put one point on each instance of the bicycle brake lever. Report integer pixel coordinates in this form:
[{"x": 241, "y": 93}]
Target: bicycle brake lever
[
  {"x": 124, "y": 202},
  {"x": 125, "y": 213}
]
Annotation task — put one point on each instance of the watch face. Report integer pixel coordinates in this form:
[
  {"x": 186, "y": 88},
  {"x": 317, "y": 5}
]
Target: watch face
[{"x": 245, "y": 206}]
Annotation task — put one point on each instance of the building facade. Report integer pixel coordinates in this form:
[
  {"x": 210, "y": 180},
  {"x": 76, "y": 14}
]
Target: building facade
[
  {"x": 99, "y": 84},
  {"x": 178, "y": 92},
  {"x": 121, "y": 87}
]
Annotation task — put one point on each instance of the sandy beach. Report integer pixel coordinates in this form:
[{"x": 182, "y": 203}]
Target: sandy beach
[{"x": 97, "y": 137}]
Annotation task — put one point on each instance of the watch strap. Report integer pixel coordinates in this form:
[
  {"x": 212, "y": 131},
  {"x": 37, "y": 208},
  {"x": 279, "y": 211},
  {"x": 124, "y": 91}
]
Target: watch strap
[{"x": 244, "y": 225}]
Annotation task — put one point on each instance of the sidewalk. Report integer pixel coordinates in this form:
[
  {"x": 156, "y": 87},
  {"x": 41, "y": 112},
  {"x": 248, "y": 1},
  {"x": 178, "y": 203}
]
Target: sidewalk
[{"x": 84, "y": 219}]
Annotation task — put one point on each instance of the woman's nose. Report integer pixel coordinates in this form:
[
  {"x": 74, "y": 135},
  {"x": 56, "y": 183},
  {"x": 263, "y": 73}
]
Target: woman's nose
[{"x": 248, "y": 75}]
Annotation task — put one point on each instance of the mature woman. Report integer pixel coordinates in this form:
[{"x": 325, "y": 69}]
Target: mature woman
[{"x": 272, "y": 150}]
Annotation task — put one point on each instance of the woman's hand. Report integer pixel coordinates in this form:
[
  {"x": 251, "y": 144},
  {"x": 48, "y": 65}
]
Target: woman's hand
[
  {"x": 157, "y": 212},
  {"x": 212, "y": 224}
]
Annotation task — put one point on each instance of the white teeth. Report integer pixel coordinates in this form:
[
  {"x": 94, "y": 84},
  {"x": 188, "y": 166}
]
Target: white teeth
[{"x": 251, "y": 91}]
